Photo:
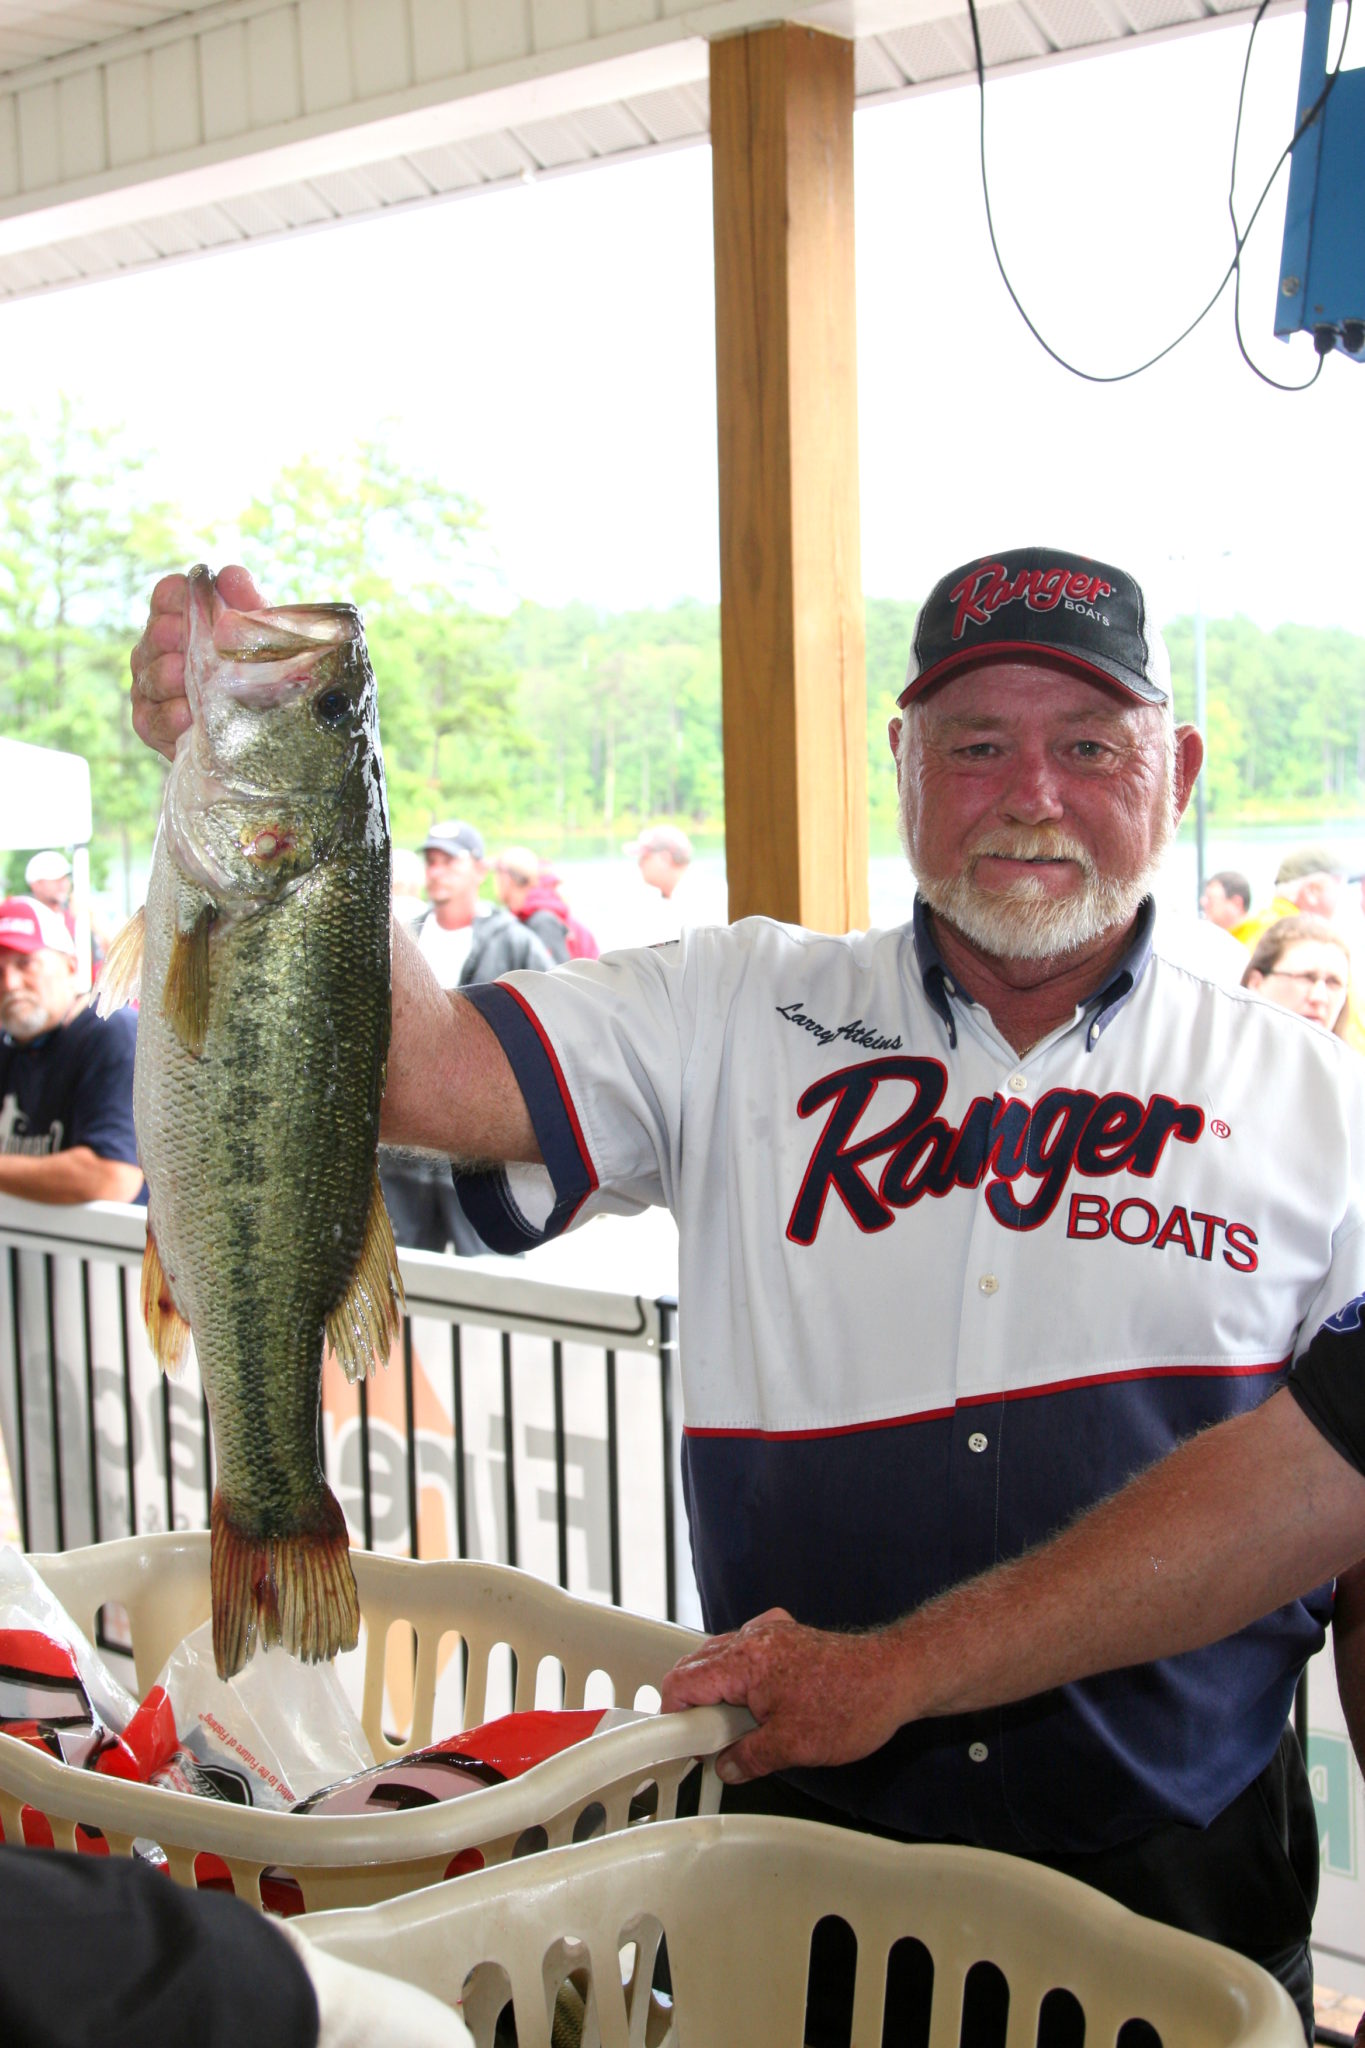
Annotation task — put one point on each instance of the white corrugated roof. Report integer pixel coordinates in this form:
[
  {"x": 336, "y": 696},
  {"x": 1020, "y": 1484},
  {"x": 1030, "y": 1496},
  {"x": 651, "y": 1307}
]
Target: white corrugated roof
[{"x": 132, "y": 134}]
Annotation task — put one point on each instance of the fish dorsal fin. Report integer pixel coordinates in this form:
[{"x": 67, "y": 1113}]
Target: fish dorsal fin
[
  {"x": 167, "y": 1331},
  {"x": 121, "y": 975},
  {"x": 185, "y": 999},
  {"x": 363, "y": 1325}
]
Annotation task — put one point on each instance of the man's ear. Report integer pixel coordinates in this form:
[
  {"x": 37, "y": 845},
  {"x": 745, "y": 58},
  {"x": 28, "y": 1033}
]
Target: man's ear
[
  {"x": 1189, "y": 759},
  {"x": 893, "y": 735}
]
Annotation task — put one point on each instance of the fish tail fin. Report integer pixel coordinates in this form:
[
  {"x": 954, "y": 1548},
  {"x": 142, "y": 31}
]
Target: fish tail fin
[
  {"x": 167, "y": 1331},
  {"x": 363, "y": 1325},
  {"x": 297, "y": 1590},
  {"x": 121, "y": 975}
]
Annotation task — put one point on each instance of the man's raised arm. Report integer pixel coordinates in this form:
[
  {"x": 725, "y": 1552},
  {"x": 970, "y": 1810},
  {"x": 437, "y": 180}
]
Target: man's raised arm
[{"x": 450, "y": 1087}]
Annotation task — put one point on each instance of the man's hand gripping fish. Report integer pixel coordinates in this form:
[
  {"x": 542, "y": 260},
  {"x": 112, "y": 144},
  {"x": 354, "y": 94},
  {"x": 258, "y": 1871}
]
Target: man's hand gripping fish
[{"x": 264, "y": 968}]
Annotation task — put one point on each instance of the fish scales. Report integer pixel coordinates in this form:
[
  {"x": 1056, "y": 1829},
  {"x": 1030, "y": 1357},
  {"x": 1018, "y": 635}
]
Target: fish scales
[{"x": 261, "y": 1044}]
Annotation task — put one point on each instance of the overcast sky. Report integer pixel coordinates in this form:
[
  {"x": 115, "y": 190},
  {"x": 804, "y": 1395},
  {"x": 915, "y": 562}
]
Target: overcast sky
[{"x": 550, "y": 350}]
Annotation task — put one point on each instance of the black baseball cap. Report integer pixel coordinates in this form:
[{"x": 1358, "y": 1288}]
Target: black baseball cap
[
  {"x": 1040, "y": 601},
  {"x": 453, "y": 836}
]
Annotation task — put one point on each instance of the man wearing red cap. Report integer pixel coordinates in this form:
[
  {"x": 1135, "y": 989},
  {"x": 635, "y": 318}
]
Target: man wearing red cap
[
  {"x": 66, "y": 1075},
  {"x": 978, "y": 1217}
]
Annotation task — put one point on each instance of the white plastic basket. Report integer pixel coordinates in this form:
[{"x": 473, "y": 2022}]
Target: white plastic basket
[
  {"x": 162, "y": 1582},
  {"x": 738, "y": 1899}
]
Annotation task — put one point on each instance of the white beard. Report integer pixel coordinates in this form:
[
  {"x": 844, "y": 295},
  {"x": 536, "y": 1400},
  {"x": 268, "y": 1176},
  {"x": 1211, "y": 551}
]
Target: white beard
[
  {"x": 25, "y": 1018},
  {"x": 1023, "y": 922}
]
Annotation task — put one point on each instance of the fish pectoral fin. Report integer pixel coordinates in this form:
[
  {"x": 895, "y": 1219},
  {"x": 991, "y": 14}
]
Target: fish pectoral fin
[
  {"x": 121, "y": 975},
  {"x": 364, "y": 1324},
  {"x": 185, "y": 999},
  {"x": 167, "y": 1331}
]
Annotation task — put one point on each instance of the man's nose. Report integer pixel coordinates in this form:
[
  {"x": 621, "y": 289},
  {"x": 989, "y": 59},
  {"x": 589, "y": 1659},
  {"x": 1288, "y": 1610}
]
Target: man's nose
[{"x": 1033, "y": 793}]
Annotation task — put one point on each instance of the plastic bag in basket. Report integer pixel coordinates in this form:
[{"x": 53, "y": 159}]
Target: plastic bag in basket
[{"x": 268, "y": 1737}]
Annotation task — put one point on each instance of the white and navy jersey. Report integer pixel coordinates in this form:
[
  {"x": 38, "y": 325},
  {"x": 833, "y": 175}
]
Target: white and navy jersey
[{"x": 937, "y": 1297}]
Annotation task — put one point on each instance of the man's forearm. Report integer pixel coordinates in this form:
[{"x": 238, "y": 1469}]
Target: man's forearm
[
  {"x": 1245, "y": 1517},
  {"x": 78, "y": 1175},
  {"x": 450, "y": 1087}
]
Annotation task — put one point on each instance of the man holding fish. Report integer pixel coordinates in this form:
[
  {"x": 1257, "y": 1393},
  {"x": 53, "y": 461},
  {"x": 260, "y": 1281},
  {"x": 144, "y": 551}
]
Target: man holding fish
[{"x": 978, "y": 1218}]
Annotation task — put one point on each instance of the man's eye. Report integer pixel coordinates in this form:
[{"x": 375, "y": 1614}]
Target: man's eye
[
  {"x": 977, "y": 750},
  {"x": 1091, "y": 750}
]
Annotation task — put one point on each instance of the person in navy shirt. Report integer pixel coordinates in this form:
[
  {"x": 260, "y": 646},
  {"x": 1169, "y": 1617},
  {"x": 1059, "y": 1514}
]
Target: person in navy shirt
[{"x": 66, "y": 1074}]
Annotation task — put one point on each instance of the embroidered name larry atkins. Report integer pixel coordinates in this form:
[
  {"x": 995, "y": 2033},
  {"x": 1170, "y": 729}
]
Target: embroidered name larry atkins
[
  {"x": 1000, "y": 1141},
  {"x": 856, "y": 1031}
]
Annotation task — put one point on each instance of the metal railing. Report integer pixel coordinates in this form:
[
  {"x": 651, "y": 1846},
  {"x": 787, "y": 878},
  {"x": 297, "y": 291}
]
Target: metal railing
[{"x": 519, "y": 1420}]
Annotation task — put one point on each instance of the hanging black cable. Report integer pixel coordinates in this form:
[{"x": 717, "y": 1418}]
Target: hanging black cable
[{"x": 1241, "y": 235}]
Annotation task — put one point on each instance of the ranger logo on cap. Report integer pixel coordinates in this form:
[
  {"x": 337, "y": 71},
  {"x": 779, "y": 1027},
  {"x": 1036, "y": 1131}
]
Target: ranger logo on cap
[{"x": 1040, "y": 603}]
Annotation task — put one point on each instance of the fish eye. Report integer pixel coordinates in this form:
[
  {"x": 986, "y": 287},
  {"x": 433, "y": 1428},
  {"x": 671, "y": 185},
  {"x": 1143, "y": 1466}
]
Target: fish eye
[{"x": 332, "y": 706}]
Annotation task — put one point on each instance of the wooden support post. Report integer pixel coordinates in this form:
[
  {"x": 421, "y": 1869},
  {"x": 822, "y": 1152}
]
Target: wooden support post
[{"x": 792, "y": 653}]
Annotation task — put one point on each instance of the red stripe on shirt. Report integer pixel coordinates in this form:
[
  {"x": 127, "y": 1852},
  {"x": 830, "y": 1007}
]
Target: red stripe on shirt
[
  {"x": 1108, "y": 1379},
  {"x": 565, "y": 1097}
]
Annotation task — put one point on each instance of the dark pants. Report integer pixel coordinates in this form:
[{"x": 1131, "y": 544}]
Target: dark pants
[{"x": 1248, "y": 1880}]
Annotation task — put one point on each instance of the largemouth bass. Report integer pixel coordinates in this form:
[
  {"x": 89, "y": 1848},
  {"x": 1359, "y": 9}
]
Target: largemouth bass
[{"x": 263, "y": 960}]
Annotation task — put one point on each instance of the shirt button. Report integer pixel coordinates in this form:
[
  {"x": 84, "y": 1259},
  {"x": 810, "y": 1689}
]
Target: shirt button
[
  {"x": 1018, "y": 1082},
  {"x": 988, "y": 1283},
  {"x": 978, "y": 1752},
  {"x": 977, "y": 1442}
]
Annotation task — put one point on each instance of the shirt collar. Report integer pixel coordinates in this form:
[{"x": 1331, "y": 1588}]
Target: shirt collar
[{"x": 940, "y": 986}]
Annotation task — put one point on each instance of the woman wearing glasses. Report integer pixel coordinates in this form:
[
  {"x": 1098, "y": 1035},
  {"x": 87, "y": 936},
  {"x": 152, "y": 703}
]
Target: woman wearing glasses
[{"x": 1302, "y": 964}]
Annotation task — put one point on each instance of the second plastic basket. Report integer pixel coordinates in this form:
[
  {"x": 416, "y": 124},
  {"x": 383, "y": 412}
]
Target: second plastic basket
[
  {"x": 964, "y": 1944},
  {"x": 319, "y": 1861}
]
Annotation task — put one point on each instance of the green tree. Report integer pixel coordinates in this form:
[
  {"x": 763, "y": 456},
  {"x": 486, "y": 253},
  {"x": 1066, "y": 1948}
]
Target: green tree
[
  {"x": 403, "y": 547},
  {"x": 82, "y": 542}
]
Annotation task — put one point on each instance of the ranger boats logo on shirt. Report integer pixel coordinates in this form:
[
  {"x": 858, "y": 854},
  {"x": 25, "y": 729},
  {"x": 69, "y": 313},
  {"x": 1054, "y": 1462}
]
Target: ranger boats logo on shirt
[{"x": 1024, "y": 1153}]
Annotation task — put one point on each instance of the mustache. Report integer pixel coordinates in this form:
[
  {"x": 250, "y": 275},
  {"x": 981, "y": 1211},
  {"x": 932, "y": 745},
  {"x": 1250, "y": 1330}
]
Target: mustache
[{"x": 1033, "y": 843}]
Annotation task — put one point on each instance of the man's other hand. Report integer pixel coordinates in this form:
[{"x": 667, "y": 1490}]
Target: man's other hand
[
  {"x": 818, "y": 1697},
  {"x": 161, "y": 712}
]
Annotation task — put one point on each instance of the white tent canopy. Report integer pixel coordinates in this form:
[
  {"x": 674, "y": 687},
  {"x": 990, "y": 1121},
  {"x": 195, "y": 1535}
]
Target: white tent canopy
[
  {"x": 45, "y": 801},
  {"x": 44, "y": 797}
]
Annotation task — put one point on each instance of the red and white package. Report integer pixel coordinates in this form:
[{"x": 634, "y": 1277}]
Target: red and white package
[
  {"x": 56, "y": 1691},
  {"x": 487, "y": 1755}
]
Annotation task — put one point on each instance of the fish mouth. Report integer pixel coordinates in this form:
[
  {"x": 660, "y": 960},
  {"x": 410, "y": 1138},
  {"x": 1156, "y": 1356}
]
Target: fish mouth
[{"x": 261, "y": 657}]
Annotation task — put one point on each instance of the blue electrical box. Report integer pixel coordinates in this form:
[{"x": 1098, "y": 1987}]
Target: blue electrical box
[{"x": 1322, "y": 262}]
